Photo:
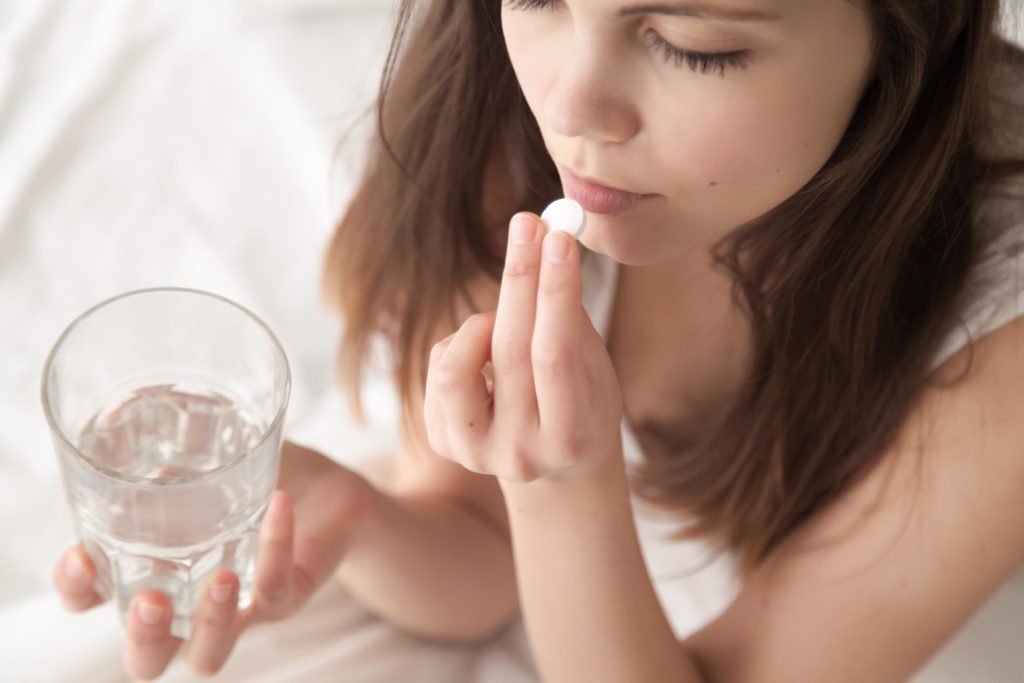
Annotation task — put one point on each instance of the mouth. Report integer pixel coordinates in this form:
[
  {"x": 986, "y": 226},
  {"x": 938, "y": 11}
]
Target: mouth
[{"x": 596, "y": 197}]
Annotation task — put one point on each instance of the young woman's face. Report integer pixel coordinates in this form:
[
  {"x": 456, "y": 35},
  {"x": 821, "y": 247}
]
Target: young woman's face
[{"x": 720, "y": 140}]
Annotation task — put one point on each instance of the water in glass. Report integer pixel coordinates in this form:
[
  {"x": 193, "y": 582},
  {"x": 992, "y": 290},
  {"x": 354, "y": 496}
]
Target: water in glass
[{"x": 170, "y": 537}]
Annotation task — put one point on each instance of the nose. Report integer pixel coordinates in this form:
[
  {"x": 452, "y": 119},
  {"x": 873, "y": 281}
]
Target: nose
[{"x": 589, "y": 98}]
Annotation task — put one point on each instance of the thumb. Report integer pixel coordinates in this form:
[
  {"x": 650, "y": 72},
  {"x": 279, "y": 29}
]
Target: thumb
[{"x": 274, "y": 585}]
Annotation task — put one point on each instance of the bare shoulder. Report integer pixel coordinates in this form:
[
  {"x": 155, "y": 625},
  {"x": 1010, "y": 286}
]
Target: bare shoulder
[{"x": 881, "y": 579}]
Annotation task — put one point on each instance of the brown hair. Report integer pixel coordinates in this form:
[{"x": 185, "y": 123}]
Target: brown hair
[{"x": 850, "y": 285}]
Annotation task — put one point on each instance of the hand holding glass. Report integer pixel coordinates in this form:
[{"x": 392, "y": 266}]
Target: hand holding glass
[{"x": 166, "y": 408}]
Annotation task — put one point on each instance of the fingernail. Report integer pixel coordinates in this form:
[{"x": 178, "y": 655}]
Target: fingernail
[
  {"x": 74, "y": 568},
  {"x": 524, "y": 229},
  {"x": 150, "y": 614},
  {"x": 278, "y": 506},
  {"x": 556, "y": 246},
  {"x": 221, "y": 592}
]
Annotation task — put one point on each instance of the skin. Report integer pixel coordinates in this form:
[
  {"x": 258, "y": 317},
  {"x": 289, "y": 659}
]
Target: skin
[{"x": 722, "y": 147}]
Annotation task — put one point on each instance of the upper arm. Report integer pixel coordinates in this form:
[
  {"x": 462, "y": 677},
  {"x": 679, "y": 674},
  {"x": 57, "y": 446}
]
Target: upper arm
[
  {"x": 879, "y": 581},
  {"x": 420, "y": 472}
]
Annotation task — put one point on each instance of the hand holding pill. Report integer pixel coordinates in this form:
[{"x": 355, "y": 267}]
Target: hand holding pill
[{"x": 555, "y": 404}]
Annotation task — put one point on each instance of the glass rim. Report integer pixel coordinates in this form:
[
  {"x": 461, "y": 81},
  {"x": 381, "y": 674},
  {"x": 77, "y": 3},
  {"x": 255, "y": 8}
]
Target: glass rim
[{"x": 170, "y": 481}]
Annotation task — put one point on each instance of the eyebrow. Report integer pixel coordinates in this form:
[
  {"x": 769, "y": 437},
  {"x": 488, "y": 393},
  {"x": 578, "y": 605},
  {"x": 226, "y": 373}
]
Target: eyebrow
[{"x": 701, "y": 10}]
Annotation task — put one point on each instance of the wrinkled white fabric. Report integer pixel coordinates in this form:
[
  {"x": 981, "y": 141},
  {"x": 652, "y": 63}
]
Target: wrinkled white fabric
[{"x": 191, "y": 144}]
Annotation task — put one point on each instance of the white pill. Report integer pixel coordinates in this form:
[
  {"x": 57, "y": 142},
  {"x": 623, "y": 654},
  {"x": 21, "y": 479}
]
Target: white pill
[{"x": 565, "y": 215}]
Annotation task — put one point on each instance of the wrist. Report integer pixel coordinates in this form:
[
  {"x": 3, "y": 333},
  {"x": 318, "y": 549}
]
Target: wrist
[
  {"x": 366, "y": 503},
  {"x": 597, "y": 476}
]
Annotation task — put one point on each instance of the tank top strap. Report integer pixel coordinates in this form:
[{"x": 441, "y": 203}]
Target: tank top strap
[
  {"x": 994, "y": 295},
  {"x": 599, "y": 274}
]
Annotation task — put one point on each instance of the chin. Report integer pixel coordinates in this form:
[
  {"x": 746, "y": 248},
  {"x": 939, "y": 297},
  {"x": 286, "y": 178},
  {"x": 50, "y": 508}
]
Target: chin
[{"x": 629, "y": 245}]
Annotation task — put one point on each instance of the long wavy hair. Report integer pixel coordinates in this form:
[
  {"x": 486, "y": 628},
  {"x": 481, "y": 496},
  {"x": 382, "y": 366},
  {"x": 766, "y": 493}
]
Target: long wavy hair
[{"x": 850, "y": 285}]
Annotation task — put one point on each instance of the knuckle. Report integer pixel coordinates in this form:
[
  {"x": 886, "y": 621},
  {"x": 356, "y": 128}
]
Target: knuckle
[
  {"x": 554, "y": 362},
  {"x": 275, "y": 535},
  {"x": 515, "y": 269},
  {"x": 273, "y": 588},
  {"x": 475, "y": 460},
  {"x": 447, "y": 379},
  {"x": 519, "y": 465},
  {"x": 576, "y": 447},
  {"x": 463, "y": 453},
  {"x": 216, "y": 619},
  {"x": 552, "y": 286},
  {"x": 471, "y": 464},
  {"x": 509, "y": 353},
  {"x": 145, "y": 638},
  {"x": 581, "y": 446}
]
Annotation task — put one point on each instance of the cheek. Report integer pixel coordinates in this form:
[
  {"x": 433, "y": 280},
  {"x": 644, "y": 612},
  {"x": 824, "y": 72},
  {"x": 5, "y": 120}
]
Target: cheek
[
  {"x": 734, "y": 162},
  {"x": 766, "y": 147},
  {"x": 738, "y": 156}
]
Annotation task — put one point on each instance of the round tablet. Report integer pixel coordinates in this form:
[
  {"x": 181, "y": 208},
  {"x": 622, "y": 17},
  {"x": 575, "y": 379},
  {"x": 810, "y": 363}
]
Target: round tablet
[{"x": 565, "y": 215}]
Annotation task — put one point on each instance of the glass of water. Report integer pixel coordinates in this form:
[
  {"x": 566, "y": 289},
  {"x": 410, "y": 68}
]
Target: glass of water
[{"x": 166, "y": 408}]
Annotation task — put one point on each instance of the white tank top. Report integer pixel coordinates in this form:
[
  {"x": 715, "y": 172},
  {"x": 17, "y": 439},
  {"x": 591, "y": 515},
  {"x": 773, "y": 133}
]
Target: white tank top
[{"x": 694, "y": 586}]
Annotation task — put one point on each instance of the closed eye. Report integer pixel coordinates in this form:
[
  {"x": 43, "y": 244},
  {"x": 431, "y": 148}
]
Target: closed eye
[{"x": 703, "y": 62}]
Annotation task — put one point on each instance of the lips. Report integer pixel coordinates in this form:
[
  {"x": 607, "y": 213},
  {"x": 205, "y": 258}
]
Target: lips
[{"x": 597, "y": 198}]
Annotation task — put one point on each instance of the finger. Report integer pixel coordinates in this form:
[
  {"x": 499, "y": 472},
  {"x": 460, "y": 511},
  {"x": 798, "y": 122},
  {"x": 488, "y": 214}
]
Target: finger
[
  {"x": 73, "y": 577},
  {"x": 514, "y": 392},
  {"x": 433, "y": 411},
  {"x": 439, "y": 347},
  {"x": 457, "y": 382},
  {"x": 272, "y": 587},
  {"x": 557, "y": 353},
  {"x": 149, "y": 645},
  {"x": 216, "y": 625}
]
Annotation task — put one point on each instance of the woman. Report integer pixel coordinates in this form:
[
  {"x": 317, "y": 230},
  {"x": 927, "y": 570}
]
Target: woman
[{"x": 813, "y": 218}]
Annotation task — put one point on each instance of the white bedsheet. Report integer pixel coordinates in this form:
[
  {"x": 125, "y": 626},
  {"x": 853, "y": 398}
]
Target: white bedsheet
[
  {"x": 186, "y": 143},
  {"x": 189, "y": 144}
]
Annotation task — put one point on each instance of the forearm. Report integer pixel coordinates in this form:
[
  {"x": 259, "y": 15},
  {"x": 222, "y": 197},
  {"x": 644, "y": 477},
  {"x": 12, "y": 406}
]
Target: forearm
[
  {"x": 587, "y": 599},
  {"x": 431, "y": 567}
]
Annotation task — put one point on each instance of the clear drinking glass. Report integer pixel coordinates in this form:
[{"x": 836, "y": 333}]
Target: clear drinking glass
[{"x": 166, "y": 407}]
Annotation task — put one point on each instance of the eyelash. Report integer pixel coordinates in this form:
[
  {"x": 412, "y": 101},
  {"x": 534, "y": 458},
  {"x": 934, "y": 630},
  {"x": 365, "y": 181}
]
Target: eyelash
[{"x": 697, "y": 61}]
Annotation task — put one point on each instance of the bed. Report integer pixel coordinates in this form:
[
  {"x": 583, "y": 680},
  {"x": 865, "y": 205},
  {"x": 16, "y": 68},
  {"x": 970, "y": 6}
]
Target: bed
[{"x": 188, "y": 144}]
